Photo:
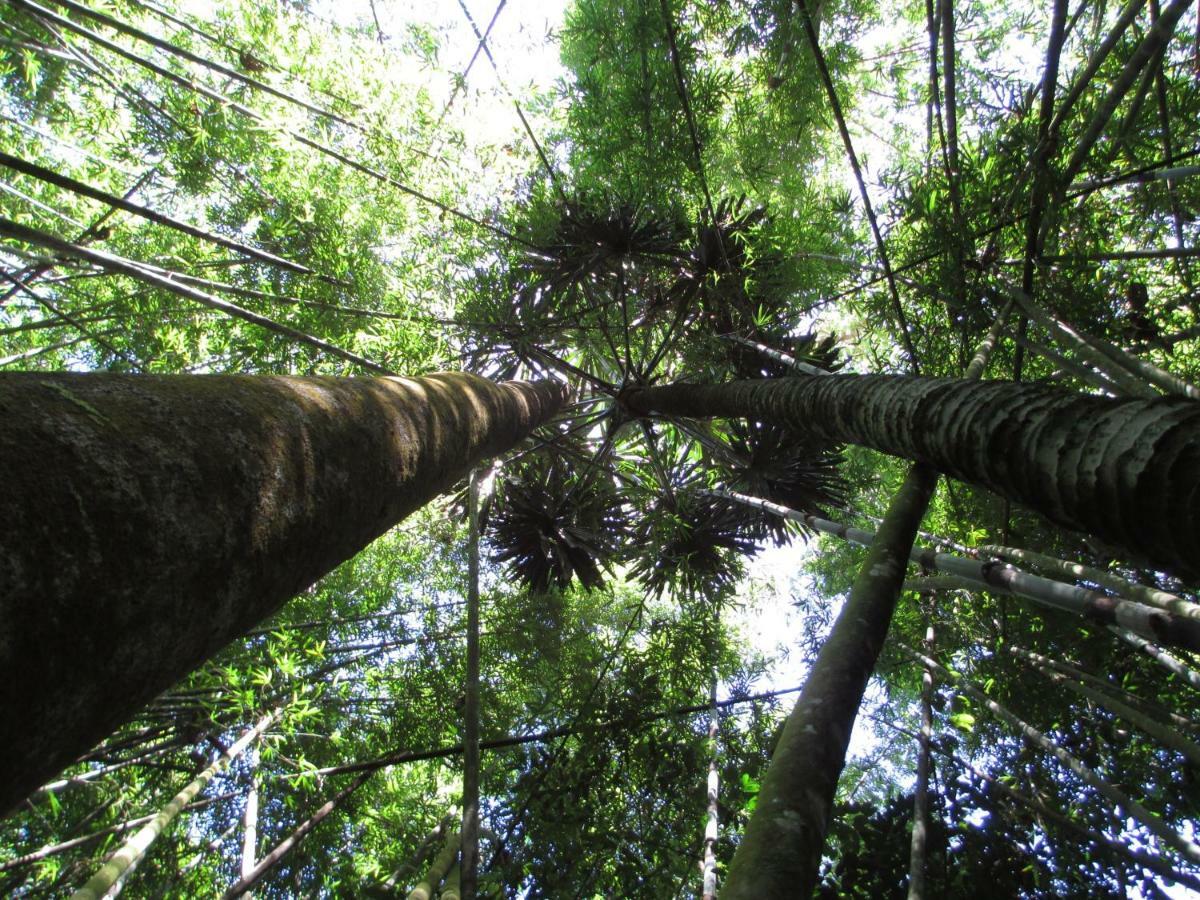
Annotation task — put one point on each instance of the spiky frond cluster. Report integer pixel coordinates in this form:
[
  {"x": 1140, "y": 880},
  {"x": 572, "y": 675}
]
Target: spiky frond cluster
[
  {"x": 691, "y": 545},
  {"x": 551, "y": 528},
  {"x": 791, "y": 469},
  {"x": 592, "y": 237}
]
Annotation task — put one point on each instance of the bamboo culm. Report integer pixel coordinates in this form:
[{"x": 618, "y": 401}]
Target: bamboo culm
[
  {"x": 133, "y": 849},
  {"x": 1008, "y": 579},
  {"x": 1114, "y": 795},
  {"x": 1161, "y": 732}
]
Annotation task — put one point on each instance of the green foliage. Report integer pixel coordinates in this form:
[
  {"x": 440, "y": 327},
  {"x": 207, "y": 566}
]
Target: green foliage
[{"x": 613, "y": 583}]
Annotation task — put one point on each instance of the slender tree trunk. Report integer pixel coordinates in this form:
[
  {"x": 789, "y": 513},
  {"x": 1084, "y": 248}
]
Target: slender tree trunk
[
  {"x": 136, "y": 846},
  {"x": 120, "y": 828},
  {"x": 780, "y": 853},
  {"x": 920, "y": 826},
  {"x": 1133, "y": 373},
  {"x": 49, "y": 176},
  {"x": 1126, "y": 470},
  {"x": 470, "y": 820},
  {"x": 713, "y": 821},
  {"x": 1154, "y": 41},
  {"x": 284, "y": 847},
  {"x": 147, "y": 521}
]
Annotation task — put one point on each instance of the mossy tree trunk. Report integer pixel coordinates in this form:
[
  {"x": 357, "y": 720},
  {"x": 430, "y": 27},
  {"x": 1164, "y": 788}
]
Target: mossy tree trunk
[
  {"x": 1125, "y": 470},
  {"x": 146, "y": 521},
  {"x": 780, "y": 853}
]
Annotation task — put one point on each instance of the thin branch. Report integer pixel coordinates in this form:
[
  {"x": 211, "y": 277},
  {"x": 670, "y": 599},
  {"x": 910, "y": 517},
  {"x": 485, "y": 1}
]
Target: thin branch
[
  {"x": 189, "y": 84},
  {"x": 520, "y": 114},
  {"x": 127, "y": 267},
  {"x": 41, "y": 173},
  {"x": 835, "y": 104}
]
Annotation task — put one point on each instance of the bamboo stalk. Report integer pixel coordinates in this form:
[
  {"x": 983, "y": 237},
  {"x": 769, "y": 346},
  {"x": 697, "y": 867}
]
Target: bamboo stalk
[
  {"x": 1164, "y": 734},
  {"x": 1156, "y": 38},
  {"x": 1166, "y": 626},
  {"x": 1060, "y": 568},
  {"x": 41, "y": 173},
  {"x": 135, "y": 848},
  {"x": 124, "y": 266},
  {"x": 1184, "y": 672},
  {"x": 289, "y": 843},
  {"x": 1118, "y": 798}
]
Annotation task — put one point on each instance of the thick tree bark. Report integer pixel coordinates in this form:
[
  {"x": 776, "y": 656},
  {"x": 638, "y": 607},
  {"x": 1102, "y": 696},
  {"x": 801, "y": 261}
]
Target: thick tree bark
[
  {"x": 780, "y": 854},
  {"x": 1125, "y": 470},
  {"x": 146, "y": 521}
]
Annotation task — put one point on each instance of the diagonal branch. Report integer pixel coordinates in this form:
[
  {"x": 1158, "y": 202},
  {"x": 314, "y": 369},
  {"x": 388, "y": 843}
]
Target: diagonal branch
[{"x": 835, "y": 104}]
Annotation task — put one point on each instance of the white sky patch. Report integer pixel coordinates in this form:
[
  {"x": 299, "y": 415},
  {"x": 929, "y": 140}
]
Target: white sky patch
[
  {"x": 780, "y": 595},
  {"x": 523, "y": 42}
]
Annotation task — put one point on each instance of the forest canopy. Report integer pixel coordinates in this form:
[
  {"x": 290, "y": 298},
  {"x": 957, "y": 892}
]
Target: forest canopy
[{"x": 817, "y": 276}]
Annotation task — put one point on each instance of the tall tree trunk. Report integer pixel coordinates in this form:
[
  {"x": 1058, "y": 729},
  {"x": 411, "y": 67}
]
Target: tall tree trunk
[
  {"x": 136, "y": 846},
  {"x": 1125, "y": 470},
  {"x": 712, "y": 822},
  {"x": 780, "y": 854},
  {"x": 920, "y": 825},
  {"x": 147, "y": 521},
  {"x": 470, "y": 819}
]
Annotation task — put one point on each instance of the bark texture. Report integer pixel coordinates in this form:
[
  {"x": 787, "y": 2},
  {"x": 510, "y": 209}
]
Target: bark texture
[
  {"x": 780, "y": 854},
  {"x": 148, "y": 520},
  {"x": 1125, "y": 470}
]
